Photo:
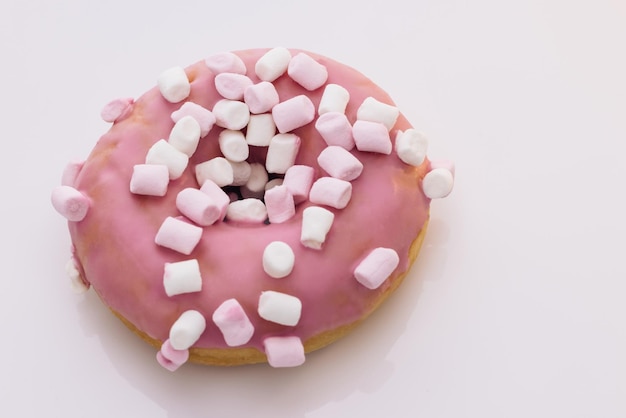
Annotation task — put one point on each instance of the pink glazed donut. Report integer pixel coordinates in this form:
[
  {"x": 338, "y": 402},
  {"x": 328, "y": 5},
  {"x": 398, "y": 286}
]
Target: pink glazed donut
[{"x": 252, "y": 207}]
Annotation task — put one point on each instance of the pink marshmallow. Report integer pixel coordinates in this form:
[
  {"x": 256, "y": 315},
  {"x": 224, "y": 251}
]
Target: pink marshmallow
[
  {"x": 371, "y": 137},
  {"x": 340, "y": 163},
  {"x": 331, "y": 192},
  {"x": 376, "y": 267},
  {"x": 447, "y": 164},
  {"x": 198, "y": 206},
  {"x": 217, "y": 195},
  {"x": 171, "y": 358},
  {"x": 149, "y": 179},
  {"x": 261, "y": 97},
  {"x": 293, "y": 113},
  {"x": 70, "y": 203},
  {"x": 204, "y": 117},
  {"x": 307, "y": 72},
  {"x": 70, "y": 173},
  {"x": 178, "y": 235},
  {"x": 335, "y": 129},
  {"x": 284, "y": 351},
  {"x": 232, "y": 85},
  {"x": 298, "y": 180},
  {"x": 225, "y": 62},
  {"x": 279, "y": 204},
  {"x": 117, "y": 109},
  {"x": 233, "y": 322}
]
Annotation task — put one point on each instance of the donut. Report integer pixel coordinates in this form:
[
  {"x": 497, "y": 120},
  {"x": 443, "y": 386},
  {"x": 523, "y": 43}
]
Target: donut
[{"x": 252, "y": 207}]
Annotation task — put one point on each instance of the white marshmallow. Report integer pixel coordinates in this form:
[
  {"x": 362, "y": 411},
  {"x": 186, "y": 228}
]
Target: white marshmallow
[
  {"x": 280, "y": 205},
  {"x": 232, "y": 85},
  {"x": 225, "y": 62},
  {"x": 280, "y": 308},
  {"x": 273, "y": 183},
  {"x": 278, "y": 259},
  {"x": 178, "y": 235},
  {"x": 261, "y": 129},
  {"x": 149, "y": 179},
  {"x": 217, "y": 169},
  {"x": 411, "y": 147},
  {"x": 335, "y": 129},
  {"x": 247, "y": 211},
  {"x": 307, "y": 72},
  {"x": 231, "y": 114},
  {"x": 375, "y": 111},
  {"x": 241, "y": 172},
  {"x": 198, "y": 206},
  {"x": 255, "y": 186},
  {"x": 174, "y": 84},
  {"x": 293, "y": 113},
  {"x": 233, "y": 322},
  {"x": 182, "y": 277},
  {"x": 334, "y": 99},
  {"x": 284, "y": 351},
  {"x": 340, "y": 163},
  {"x": 374, "y": 269},
  {"x": 233, "y": 145},
  {"x": 371, "y": 137},
  {"x": 298, "y": 179},
  {"x": 71, "y": 171},
  {"x": 272, "y": 64},
  {"x": 70, "y": 203},
  {"x": 261, "y": 97},
  {"x": 438, "y": 183},
  {"x": 217, "y": 195},
  {"x": 316, "y": 223},
  {"x": 282, "y": 153},
  {"x": 187, "y": 330},
  {"x": 204, "y": 117},
  {"x": 331, "y": 192},
  {"x": 162, "y": 152},
  {"x": 185, "y": 135}
]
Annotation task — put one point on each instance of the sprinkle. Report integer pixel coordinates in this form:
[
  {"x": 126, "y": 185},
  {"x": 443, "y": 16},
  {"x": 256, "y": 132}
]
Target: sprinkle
[
  {"x": 371, "y": 137},
  {"x": 117, "y": 109},
  {"x": 233, "y": 145},
  {"x": 261, "y": 97},
  {"x": 298, "y": 179},
  {"x": 187, "y": 330},
  {"x": 149, "y": 179},
  {"x": 280, "y": 204},
  {"x": 316, "y": 223},
  {"x": 374, "y": 111},
  {"x": 70, "y": 203},
  {"x": 280, "y": 308},
  {"x": 293, "y": 113},
  {"x": 273, "y": 64},
  {"x": 331, "y": 192},
  {"x": 185, "y": 135},
  {"x": 174, "y": 85},
  {"x": 340, "y": 163},
  {"x": 232, "y": 85},
  {"x": 162, "y": 152},
  {"x": 231, "y": 114},
  {"x": 182, "y": 277},
  {"x": 204, "y": 117},
  {"x": 334, "y": 99},
  {"x": 438, "y": 183},
  {"x": 374, "y": 269},
  {"x": 217, "y": 169},
  {"x": 278, "y": 259},
  {"x": 233, "y": 322},
  {"x": 282, "y": 153},
  {"x": 411, "y": 147},
  {"x": 261, "y": 129},
  {"x": 170, "y": 358},
  {"x": 178, "y": 235},
  {"x": 335, "y": 129},
  {"x": 225, "y": 62},
  {"x": 307, "y": 72},
  {"x": 198, "y": 206},
  {"x": 247, "y": 211},
  {"x": 284, "y": 351}
]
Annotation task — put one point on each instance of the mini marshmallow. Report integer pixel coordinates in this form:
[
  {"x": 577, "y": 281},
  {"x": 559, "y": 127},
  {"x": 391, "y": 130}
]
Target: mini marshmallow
[
  {"x": 340, "y": 163},
  {"x": 77, "y": 284},
  {"x": 335, "y": 129},
  {"x": 371, "y": 137},
  {"x": 198, "y": 206},
  {"x": 293, "y": 113},
  {"x": 70, "y": 203},
  {"x": 307, "y": 72},
  {"x": 225, "y": 62},
  {"x": 280, "y": 308},
  {"x": 272, "y": 64},
  {"x": 218, "y": 196},
  {"x": 204, "y": 117},
  {"x": 282, "y": 153},
  {"x": 331, "y": 192},
  {"x": 261, "y": 97},
  {"x": 255, "y": 186},
  {"x": 231, "y": 114},
  {"x": 232, "y": 85},
  {"x": 375, "y": 111},
  {"x": 261, "y": 129},
  {"x": 162, "y": 152},
  {"x": 273, "y": 183},
  {"x": 278, "y": 259},
  {"x": 149, "y": 179},
  {"x": 174, "y": 85},
  {"x": 438, "y": 183},
  {"x": 117, "y": 109},
  {"x": 334, "y": 99},
  {"x": 170, "y": 358},
  {"x": 185, "y": 135},
  {"x": 411, "y": 147},
  {"x": 233, "y": 145},
  {"x": 241, "y": 172},
  {"x": 374, "y": 269},
  {"x": 280, "y": 205},
  {"x": 217, "y": 169},
  {"x": 182, "y": 277},
  {"x": 187, "y": 330},
  {"x": 284, "y": 351},
  {"x": 316, "y": 223},
  {"x": 178, "y": 235},
  {"x": 233, "y": 322},
  {"x": 247, "y": 211},
  {"x": 71, "y": 171},
  {"x": 447, "y": 164},
  {"x": 298, "y": 179}
]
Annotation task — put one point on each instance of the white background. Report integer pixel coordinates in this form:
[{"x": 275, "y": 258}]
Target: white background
[{"x": 516, "y": 305}]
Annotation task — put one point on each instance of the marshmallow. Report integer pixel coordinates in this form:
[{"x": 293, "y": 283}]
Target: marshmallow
[
  {"x": 255, "y": 186},
  {"x": 178, "y": 235},
  {"x": 187, "y": 330},
  {"x": 217, "y": 195},
  {"x": 225, "y": 62},
  {"x": 70, "y": 203},
  {"x": 280, "y": 205},
  {"x": 331, "y": 192},
  {"x": 170, "y": 358},
  {"x": 280, "y": 308},
  {"x": 272, "y": 64},
  {"x": 233, "y": 145},
  {"x": 278, "y": 259},
  {"x": 232, "y": 85},
  {"x": 335, "y": 129},
  {"x": 162, "y": 152},
  {"x": 261, "y": 129},
  {"x": 375, "y": 111},
  {"x": 182, "y": 277},
  {"x": 411, "y": 147},
  {"x": 334, "y": 99},
  {"x": 231, "y": 114},
  {"x": 217, "y": 169},
  {"x": 233, "y": 322},
  {"x": 71, "y": 171},
  {"x": 204, "y": 117},
  {"x": 77, "y": 284},
  {"x": 371, "y": 137},
  {"x": 273, "y": 183},
  {"x": 241, "y": 172},
  {"x": 447, "y": 164},
  {"x": 149, "y": 179},
  {"x": 340, "y": 163},
  {"x": 282, "y": 153},
  {"x": 374, "y": 269},
  {"x": 298, "y": 179},
  {"x": 438, "y": 183},
  {"x": 307, "y": 72},
  {"x": 293, "y": 113},
  {"x": 174, "y": 85},
  {"x": 117, "y": 109},
  {"x": 198, "y": 206},
  {"x": 284, "y": 351},
  {"x": 316, "y": 223},
  {"x": 261, "y": 97},
  {"x": 247, "y": 211},
  {"x": 185, "y": 135}
]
